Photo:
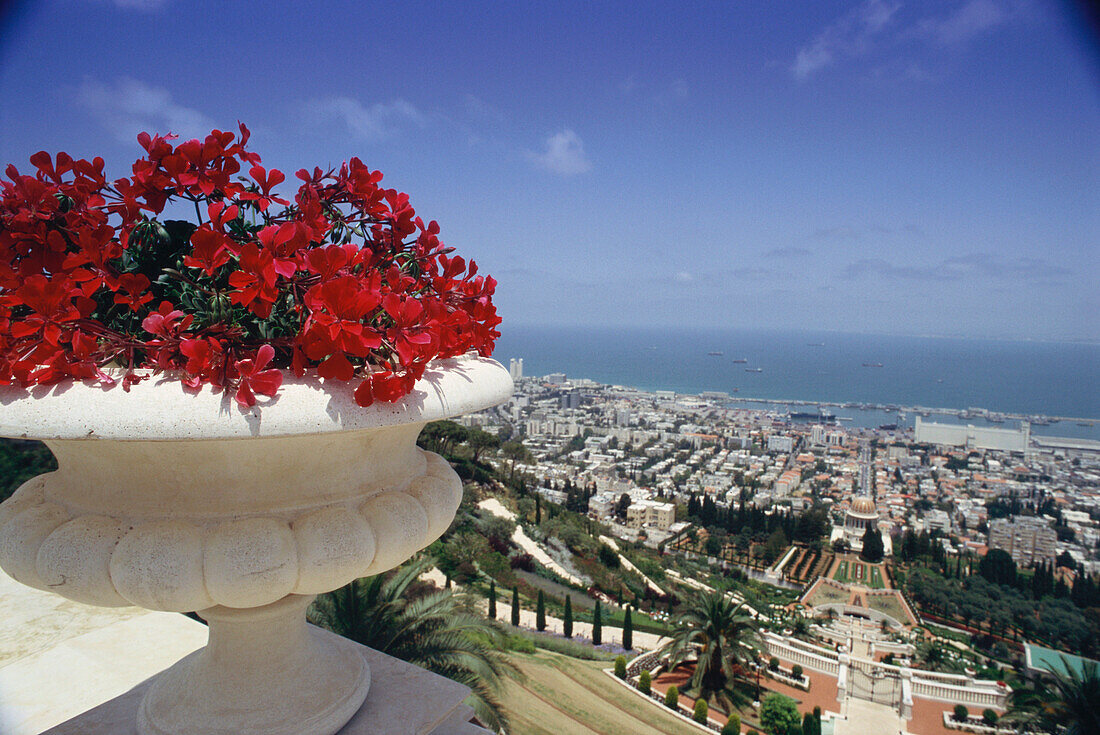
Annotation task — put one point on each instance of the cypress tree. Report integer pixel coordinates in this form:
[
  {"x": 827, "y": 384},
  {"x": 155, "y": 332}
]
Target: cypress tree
[
  {"x": 515, "y": 606},
  {"x": 628, "y": 630},
  {"x": 492, "y": 599},
  {"x": 807, "y": 724},
  {"x": 597, "y": 625},
  {"x": 540, "y": 613},
  {"x": 538, "y": 509},
  {"x": 568, "y": 623}
]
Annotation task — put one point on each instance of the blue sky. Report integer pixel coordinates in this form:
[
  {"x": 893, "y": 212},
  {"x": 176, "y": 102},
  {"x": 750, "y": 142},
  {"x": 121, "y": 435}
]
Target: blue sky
[{"x": 876, "y": 166}]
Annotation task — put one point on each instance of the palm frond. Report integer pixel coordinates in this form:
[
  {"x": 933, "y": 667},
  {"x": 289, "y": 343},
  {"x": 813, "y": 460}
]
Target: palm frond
[{"x": 438, "y": 631}]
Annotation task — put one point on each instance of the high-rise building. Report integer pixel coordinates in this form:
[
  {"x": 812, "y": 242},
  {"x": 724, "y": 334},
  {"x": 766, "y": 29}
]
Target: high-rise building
[
  {"x": 1028, "y": 539},
  {"x": 515, "y": 368}
]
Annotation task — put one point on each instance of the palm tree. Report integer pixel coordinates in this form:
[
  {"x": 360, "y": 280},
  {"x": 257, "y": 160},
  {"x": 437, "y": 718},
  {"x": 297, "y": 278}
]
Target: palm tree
[
  {"x": 722, "y": 635},
  {"x": 438, "y": 631},
  {"x": 1065, "y": 702}
]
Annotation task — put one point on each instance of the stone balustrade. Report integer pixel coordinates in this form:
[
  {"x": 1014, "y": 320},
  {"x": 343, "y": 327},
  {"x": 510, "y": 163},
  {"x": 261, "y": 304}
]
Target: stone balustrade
[
  {"x": 986, "y": 694},
  {"x": 806, "y": 655}
]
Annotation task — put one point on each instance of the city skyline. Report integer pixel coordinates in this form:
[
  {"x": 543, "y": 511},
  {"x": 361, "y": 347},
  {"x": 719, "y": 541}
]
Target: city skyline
[{"x": 868, "y": 167}]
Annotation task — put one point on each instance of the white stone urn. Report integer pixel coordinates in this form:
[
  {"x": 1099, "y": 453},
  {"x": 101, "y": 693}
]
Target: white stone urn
[{"x": 175, "y": 500}]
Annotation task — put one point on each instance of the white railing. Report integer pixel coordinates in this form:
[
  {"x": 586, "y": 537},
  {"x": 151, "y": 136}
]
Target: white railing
[
  {"x": 806, "y": 655},
  {"x": 993, "y": 696}
]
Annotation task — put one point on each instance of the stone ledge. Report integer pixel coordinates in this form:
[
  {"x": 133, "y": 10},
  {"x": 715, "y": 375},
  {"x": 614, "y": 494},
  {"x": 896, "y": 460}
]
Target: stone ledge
[{"x": 403, "y": 700}]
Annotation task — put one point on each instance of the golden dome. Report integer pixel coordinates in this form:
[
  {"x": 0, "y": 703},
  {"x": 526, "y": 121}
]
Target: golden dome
[{"x": 864, "y": 506}]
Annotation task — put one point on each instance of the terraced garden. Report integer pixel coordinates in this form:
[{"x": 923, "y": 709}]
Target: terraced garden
[
  {"x": 853, "y": 571},
  {"x": 807, "y": 564}
]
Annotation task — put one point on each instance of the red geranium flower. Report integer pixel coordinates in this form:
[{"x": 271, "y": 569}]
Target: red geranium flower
[
  {"x": 254, "y": 379},
  {"x": 346, "y": 280}
]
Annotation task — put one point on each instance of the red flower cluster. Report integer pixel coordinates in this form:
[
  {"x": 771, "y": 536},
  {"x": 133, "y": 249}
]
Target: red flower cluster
[{"x": 345, "y": 279}]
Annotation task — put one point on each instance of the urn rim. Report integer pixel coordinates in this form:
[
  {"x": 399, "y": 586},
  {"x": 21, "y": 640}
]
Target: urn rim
[{"x": 162, "y": 409}]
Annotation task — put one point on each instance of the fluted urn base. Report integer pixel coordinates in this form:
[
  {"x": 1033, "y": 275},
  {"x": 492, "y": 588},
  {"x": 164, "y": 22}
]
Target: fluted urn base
[{"x": 264, "y": 671}]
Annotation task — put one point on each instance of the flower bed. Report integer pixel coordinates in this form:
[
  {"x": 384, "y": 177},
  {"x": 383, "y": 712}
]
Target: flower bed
[
  {"x": 974, "y": 724},
  {"x": 788, "y": 678}
]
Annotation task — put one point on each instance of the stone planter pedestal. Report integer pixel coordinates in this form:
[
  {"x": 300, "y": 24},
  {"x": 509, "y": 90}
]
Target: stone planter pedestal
[{"x": 181, "y": 501}]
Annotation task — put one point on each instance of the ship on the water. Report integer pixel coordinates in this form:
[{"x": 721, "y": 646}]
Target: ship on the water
[
  {"x": 754, "y": 370},
  {"x": 741, "y": 360},
  {"x": 819, "y": 416},
  {"x": 872, "y": 364},
  {"x": 716, "y": 354}
]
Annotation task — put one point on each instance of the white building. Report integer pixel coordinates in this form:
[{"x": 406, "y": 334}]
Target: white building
[
  {"x": 973, "y": 437},
  {"x": 779, "y": 443},
  {"x": 937, "y": 519},
  {"x": 860, "y": 516},
  {"x": 1027, "y": 538},
  {"x": 651, "y": 512},
  {"x": 817, "y": 435}
]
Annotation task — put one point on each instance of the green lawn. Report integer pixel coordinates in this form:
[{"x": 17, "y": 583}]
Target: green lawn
[
  {"x": 565, "y": 695},
  {"x": 825, "y": 594},
  {"x": 850, "y": 574},
  {"x": 889, "y": 605}
]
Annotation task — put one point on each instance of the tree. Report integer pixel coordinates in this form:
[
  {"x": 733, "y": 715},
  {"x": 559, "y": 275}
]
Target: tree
[
  {"x": 621, "y": 506},
  {"x": 779, "y": 714},
  {"x": 515, "y": 606},
  {"x": 628, "y": 630},
  {"x": 645, "y": 682},
  {"x": 672, "y": 698},
  {"x": 620, "y": 666},
  {"x": 492, "y": 599},
  {"x": 608, "y": 557},
  {"x": 775, "y": 545},
  {"x": 567, "y": 625},
  {"x": 733, "y": 725},
  {"x": 20, "y": 460},
  {"x": 1065, "y": 701},
  {"x": 514, "y": 451},
  {"x": 807, "y": 724},
  {"x": 796, "y": 672},
  {"x": 480, "y": 440},
  {"x": 721, "y": 634},
  {"x": 540, "y": 613},
  {"x": 998, "y": 567},
  {"x": 990, "y": 717},
  {"x": 441, "y": 436},
  {"x": 597, "y": 625},
  {"x": 440, "y": 631},
  {"x": 961, "y": 713},
  {"x": 873, "y": 549},
  {"x": 700, "y": 712}
]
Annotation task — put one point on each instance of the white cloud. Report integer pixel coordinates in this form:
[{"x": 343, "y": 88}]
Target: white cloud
[
  {"x": 683, "y": 277},
  {"x": 128, "y": 107},
  {"x": 373, "y": 123},
  {"x": 563, "y": 154},
  {"x": 968, "y": 21},
  {"x": 845, "y": 38}
]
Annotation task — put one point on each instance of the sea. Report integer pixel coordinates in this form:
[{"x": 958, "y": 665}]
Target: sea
[{"x": 1031, "y": 378}]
